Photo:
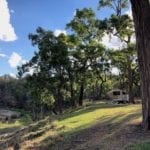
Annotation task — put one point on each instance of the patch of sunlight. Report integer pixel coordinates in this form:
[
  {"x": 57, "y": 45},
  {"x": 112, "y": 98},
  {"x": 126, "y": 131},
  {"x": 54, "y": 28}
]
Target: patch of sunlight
[
  {"x": 71, "y": 123},
  {"x": 49, "y": 134},
  {"x": 99, "y": 115}
]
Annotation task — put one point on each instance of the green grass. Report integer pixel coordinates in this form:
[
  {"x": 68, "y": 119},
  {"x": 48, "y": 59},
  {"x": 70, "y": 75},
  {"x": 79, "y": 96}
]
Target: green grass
[
  {"x": 15, "y": 123},
  {"x": 72, "y": 122},
  {"x": 142, "y": 146},
  {"x": 98, "y": 113}
]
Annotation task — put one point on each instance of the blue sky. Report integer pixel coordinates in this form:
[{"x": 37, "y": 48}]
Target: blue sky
[{"x": 18, "y": 18}]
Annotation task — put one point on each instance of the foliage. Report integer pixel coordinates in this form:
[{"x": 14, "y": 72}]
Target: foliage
[
  {"x": 116, "y": 5},
  {"x": 66, "y": 69},
  {"x": 47, "y": 98},
  {"x": 13, "y": 92},
  {"x": 89, "y": 53}
]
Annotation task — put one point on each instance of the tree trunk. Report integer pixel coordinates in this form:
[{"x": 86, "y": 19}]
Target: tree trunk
[
  {"x": 130, "y": 82},
  {"x": 41, "y": 112},
  {"x": 59, "y": 101},
  {"x": 73, "y": 103},
  {"x": 81, "y": 94},
  {"x": 141, "y": 15},
  {"x": 101, "y": 90}
]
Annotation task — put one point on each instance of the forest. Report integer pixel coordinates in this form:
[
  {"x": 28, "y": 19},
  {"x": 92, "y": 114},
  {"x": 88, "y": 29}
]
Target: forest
[{"x": 62, "y": 91}]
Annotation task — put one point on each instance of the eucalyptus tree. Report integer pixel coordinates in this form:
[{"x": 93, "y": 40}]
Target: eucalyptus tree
[
  {"x": 125, "y": 61},
  {"x": 84, "y": 26},
  {"x": 141, "y": 17},
  {"x": 125, "y": 31},
  {"x": 49, "y": 65},
  {"x": 121, "y": 26},
  {"x": 71, "y": 69},
  {"x": 117, "y": 5},
  {"x": 100, "y": 67}
]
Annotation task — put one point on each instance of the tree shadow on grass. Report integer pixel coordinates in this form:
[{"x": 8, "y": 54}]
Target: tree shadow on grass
[
  {"x": 83, "y": 133},
  {"x": 64, "y": 135},
  {"x": 11, "y": 135},
  {"x": 8, "y": 130}
]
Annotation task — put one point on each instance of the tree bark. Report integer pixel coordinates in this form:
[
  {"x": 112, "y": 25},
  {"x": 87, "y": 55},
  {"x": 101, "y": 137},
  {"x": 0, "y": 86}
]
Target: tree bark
[
  {"x": 81, "y": 94},
  {"x": 73, "y": 103},
  {"x": 59, "y": 101},
  {"x": 141, "y": 15}
]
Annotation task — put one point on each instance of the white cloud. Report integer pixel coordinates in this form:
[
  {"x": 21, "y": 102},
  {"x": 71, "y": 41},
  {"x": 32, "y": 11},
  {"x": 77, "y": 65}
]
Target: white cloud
[
  {"x": 57, "y": 32},
  {"x": 2, "y": 55},
  {"x": 7, "y": 32},
  {"x": 133, "y": 38},
  {"x": 115, "y": 71},
  {"x": 15, "y": 60},
  {"x": 23, "y": 61},
  {"x": 31, "y": 71},
  {"x": 129, "y": 13},
  {"x": 13, "y": 75},
  {"x": 74, "y": 13},
  {"x": 112, "y": 42}
]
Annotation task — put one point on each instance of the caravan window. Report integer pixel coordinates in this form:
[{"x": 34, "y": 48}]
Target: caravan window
[
  {"x": 116, "y": 93},
  {"x": 124, "y": 93}
]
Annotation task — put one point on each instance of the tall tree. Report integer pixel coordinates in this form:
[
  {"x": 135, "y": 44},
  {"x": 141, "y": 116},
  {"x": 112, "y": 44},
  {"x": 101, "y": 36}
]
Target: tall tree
[
  {"x": 125, "y": 61},
  {"x": 84, "y": 26},
  {"x": 141, "y": 15},
  {"x": 124, "y": 31},
  {"x": 121, "y": 26},
  {"x": 49, "y": 65}
]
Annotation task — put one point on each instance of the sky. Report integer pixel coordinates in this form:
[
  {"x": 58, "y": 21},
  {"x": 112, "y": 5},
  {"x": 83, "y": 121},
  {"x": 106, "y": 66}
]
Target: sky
[{"x": 18, "y": 18}]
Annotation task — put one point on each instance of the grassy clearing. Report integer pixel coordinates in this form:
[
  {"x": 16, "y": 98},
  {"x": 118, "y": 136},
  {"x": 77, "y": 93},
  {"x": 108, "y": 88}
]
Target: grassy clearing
[
  {"x": 98, "y": 113},
  {"x": 64, "y": 127},
  {"x": 110, "y": 119}
]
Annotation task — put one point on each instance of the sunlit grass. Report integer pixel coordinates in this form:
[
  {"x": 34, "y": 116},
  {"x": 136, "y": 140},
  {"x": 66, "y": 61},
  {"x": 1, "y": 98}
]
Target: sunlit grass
[
  {"x": 89, "y": 116},
  {"x": 63, "y": 127},
  {"x": 71, "y": 123}
]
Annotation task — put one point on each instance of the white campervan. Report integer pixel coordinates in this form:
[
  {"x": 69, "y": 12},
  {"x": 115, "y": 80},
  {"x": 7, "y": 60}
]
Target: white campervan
[{"x": 118, "y": 96}]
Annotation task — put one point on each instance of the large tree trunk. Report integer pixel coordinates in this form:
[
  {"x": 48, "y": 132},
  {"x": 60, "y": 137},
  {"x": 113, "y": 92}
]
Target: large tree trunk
[{"x": 141, "y": 15}]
